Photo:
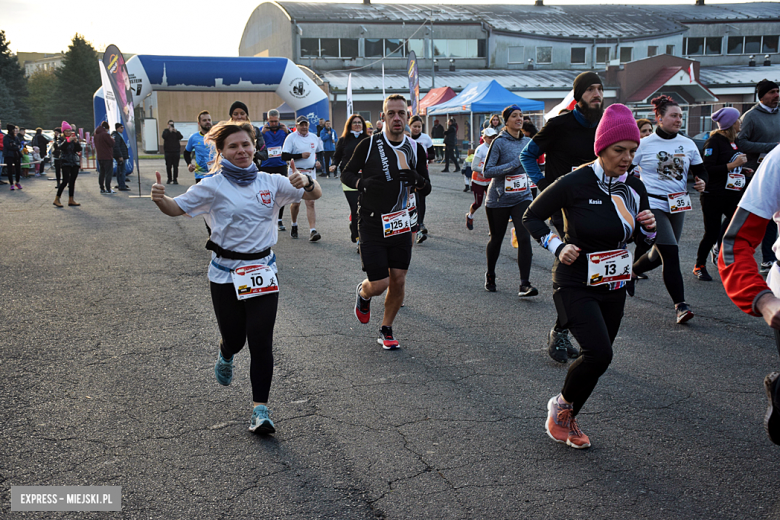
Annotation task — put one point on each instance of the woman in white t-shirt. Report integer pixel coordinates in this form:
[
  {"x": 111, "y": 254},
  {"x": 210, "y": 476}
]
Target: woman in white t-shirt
[
  {"x": 664, "y": 160},
  {"x": 240, "y": 205}
]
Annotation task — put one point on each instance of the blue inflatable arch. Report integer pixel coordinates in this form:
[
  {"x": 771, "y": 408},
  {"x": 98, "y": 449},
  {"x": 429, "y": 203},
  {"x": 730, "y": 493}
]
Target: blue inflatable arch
[{"x": 279, "y": 75}]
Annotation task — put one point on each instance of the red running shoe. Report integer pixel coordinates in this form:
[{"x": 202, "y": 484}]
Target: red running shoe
[
  {"x": 562, "y": 427},
  {"x": 362, "y": 307}
]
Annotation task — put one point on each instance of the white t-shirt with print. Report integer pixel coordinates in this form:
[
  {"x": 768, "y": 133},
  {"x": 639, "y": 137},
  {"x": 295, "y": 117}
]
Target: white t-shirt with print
[
  {"x": 296, "y": 144},
  {"x": 241, "y": 218},
  {"x": 665, "y": 164}
]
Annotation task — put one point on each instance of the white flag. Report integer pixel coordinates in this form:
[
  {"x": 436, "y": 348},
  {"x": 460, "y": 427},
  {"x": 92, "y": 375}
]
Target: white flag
[
  {"x": 112, "y": 108},
  {"x": 383, "y": 82},
  {"x": 691, "y": 74},
  {"x": 349, "y": 95},
  {"x": 568, "y": 103}
]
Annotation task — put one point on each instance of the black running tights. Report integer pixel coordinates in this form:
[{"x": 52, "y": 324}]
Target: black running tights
[
  {"x": 498, "y": 220},
  {"x": 715, "y": 206},
  {"x": 69, "y": 174},
  {"x": 593, "y": 316},
  {"x": 666, "y": 252},
  {"x": 248, "y": 321}
]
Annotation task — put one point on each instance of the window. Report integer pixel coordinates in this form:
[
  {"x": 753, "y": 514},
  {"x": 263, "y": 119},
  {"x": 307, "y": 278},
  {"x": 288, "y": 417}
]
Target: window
[
  {"x": 310, "y": 47},
  {"x": 752, "y": 44},
  {"x": 714, "y": 46},
  {"x": 349, "y": 48},
  {"x": 394, "y": 48},
  {"x": 652, "y": 50},
  {"x": 578, "y": 55},
  {"x": 693, "y": 46},
  {"x": 770, "y": 45},
  {"x": 329, "y": 47},
  {"x": 602, "y": 54},
  {"x": 418, "y": 46},
  {"x": 374, "y": 48},
  {"x": 516, "y": 55},
  {"x": 670, "y": 50},
  {"x": 625, "y": 54},
  {"x": 544, "y": 55},
  {"x": 735, "y": 44},
  {"x": 482, "y": 48},
  {"x": 439, "y": 47},
  {"x": 459, "y": 48},
  {"x": 365, "y": 113}
]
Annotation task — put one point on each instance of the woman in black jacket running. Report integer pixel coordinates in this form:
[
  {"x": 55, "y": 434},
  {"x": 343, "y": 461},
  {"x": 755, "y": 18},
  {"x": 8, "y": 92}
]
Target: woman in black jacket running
[{"x": 354, "y": 132}]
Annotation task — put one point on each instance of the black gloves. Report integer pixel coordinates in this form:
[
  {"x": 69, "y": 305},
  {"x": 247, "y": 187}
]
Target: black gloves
[
  {"x": 412, "y": 178},
  {"x": 370, "y": 185}
]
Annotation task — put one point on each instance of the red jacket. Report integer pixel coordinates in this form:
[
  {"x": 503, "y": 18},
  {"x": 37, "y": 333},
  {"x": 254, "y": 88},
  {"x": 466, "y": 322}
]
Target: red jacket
[{"x": 104, "y": 144}]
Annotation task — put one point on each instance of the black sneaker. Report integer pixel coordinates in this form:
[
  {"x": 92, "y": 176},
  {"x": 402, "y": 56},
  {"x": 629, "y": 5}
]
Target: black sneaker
[
  {"x": 423, "y": 230},
  {"x": 772, "y": 418},
  {"x": 102, "y": 190},
  {"x": 169, "y": 181},
  {"x": 294, "y": 232},
  {"x": 466, "y": 189},
  {"x": 700, "y": 272},
  {"x": 527, "y": 290},
  {"x": 684, "y": 312},
  {"x": 490, "y": 282},
  {"x": 314, "y": 236},
  {"x": 556, "y": 345},
  {"x": 421, "y": 237},
  {"x": 571, "y": 350},
  {"x": 175, "y": 181}
]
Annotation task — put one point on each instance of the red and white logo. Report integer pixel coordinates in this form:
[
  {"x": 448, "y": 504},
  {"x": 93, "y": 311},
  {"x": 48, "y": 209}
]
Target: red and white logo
[{"x": 265, "y": 196}]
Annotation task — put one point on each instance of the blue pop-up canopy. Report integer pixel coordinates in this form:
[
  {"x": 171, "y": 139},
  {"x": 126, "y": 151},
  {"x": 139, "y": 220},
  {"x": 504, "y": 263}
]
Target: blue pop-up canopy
[{"x": 483, "y": 97}]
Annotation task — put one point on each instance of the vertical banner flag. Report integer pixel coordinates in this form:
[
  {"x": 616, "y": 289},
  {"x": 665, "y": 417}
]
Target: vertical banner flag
[
  {"x": 568, "y": 103},
  {"x": 123, "y": 92},
  {"x": 383, "y": 82},
  {"x": 349, "y": 95},
  {"x": 414, "y": 81},
  {"x": 112, "y": 109},
  {"x": 691, "y": 73}
]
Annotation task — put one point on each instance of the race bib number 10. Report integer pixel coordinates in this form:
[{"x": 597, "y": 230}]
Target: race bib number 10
[
  {"x": 609, "y": 266},
  {"x": 679, "y": 202},
  {"x": 254, "y": 280}
]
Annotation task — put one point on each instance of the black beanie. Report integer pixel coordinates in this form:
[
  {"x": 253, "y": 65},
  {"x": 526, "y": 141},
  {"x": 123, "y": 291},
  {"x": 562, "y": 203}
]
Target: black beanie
[
  {"x": 765, "y": 86},
  {"x": 238, "y": 104},
  {"x": 10, "y": 128},
  {"x": 582, "y": 82}
]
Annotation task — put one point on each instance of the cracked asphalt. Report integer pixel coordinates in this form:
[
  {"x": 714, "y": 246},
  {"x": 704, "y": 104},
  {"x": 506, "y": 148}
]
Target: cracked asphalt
[{"x": 109, "y": 342}]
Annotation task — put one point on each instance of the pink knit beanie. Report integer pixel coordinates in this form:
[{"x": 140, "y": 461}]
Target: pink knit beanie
[
  {"x": 66, "y": 126},
  {"x": 617, "y": 124}
]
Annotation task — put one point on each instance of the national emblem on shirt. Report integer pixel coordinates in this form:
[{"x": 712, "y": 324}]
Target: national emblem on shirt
[{"x": 265, "y": 197}]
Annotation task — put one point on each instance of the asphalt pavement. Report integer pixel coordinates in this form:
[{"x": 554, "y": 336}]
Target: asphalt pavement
[{"x": 109, "y": 342}]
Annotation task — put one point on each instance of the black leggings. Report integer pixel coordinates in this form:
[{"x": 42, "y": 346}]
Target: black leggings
[
  {"x": 14, "y": 168},
  {"x": 715, "y": 206},
  {"x": 593, "y": 315},
  {"x": 352, "y": 199},
  {"x": 498, "y": 220},
  {"x": 252, "y": 321},
  {"x": 420, "y": 199},
  {"x": 58, "y": 171},
  {"x": 666, "y": 252},
  {"x": 172, "y": 165},
  {"x": 69, "y": 174}
]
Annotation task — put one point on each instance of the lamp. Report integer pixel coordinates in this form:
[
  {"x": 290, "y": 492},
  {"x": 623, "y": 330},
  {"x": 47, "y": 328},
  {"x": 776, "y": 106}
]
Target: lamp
[{"x": 452, "y": 65}]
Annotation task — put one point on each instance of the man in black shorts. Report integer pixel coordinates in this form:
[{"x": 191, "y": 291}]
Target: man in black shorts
[{"x": 386, "y": 169}]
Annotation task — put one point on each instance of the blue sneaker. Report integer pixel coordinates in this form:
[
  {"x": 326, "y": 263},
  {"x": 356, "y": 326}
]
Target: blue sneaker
[
  {"x": 260, "y": 422},
  {"x": 223, "y": 369}
]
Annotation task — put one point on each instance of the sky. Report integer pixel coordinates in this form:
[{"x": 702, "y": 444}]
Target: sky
[{"x": 190, "y": 28}]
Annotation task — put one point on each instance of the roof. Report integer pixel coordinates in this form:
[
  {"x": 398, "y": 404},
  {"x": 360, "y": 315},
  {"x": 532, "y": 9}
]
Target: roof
[
  {"x": 561, "y": 21},
  {"x": 484, "y": 96},
  {"x": 741, "y": 75},
  {"x": 510, "y": 79},
  {"x": 661, "y": 77}
]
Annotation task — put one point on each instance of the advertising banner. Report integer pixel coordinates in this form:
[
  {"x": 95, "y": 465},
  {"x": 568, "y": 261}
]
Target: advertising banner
[
  {"x": 349, "y": 95},
  {"x": 414, "y": 81}
]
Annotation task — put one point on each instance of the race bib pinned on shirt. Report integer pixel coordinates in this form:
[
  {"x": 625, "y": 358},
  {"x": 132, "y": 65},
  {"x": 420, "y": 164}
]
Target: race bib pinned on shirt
[
  {"x": 254, "y": 280},
  {"x": 609, "y": 266},
  {"x": 396, "y": 223},
  {"x": 735, "y": 182},
  {"x": 515, "y": 183},
  {"x": 274, "y": 151},
  {"x": 679, "y": 202}
]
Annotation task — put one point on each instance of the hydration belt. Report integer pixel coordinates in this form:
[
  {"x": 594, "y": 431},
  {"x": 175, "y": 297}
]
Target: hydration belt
[
  {"x": 235, "y": 255},
  {"x": 659, "y": 197}
]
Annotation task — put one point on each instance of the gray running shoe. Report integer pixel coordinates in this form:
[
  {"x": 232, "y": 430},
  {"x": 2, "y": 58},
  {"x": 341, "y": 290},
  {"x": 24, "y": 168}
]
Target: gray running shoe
[
  {"x": 571, "y": 350},
  {"x": 556, "y": 345}
]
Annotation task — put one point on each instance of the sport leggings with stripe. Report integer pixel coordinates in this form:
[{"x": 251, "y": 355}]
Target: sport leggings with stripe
[{"x": 666, "y": 252}]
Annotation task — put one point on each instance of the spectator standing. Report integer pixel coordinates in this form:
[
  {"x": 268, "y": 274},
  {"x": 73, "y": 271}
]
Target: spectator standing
[
  {"x": 172, "y": 150},
  {"x": 758, "y": 136},
  {"x": 104, "y": 148},
  {"x": 120, "y": 156},
  {"x": 42, "y": 143},
  {"x": 328, "y": 138},
  {"x": 70, "y": 148},
  {"x": 12, "y": 154},
  {"x": 450, "y": 142},
  {"x": 55, "y": 155}
]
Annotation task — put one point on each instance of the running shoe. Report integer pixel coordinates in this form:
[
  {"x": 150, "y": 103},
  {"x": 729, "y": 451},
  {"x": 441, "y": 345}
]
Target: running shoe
[
  {"x": 18, "y": 186},
  {"x": 109, "y": 191},
  {"x": 466, "y": 189},
  {"x": 556, "y": 345},
  {"x": 573, "y": 352},
  {"x": 421, "y": 237},
  {"x": 387, "y": 340},
  {"x": 562, "y": 426},
  {"x": 772, "y": 419},
  {"x": 260, "y": 422},
  {"x": 362, "y": 306},
  {"x": 281, "y": 227},
  {"x": 684, "y": 312},
  {"x": 223, "y": 369},
  {"x": 294, "y": 232},
  {"x": 13, "y": 187},
  {"x": 765, "y": 266},
  {"x": 102, "y": 190},
  {"x": 700, "y": 272},
  {"x": 641, "y": 276},
  {"x": 169, "y": 181},
  {"x": 490, "y": 282},
  {"x": 314, "y": 236},
  {"x": 527, "y": 290},
  {"x": 469, "y": 222},
  {"x": 175, "y": 181},
  {"x": 714, "y": 254},
  {"x": 423, "y": 229}
]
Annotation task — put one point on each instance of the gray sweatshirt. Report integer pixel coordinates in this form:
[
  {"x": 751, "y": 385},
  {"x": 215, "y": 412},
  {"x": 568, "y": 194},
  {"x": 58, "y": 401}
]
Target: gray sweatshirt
[
  {"x": 503, "y": 159},
  {"x": 760, "y": 133}
]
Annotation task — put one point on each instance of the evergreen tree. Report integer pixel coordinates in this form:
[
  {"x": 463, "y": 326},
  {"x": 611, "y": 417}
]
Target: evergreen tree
[
  {"x": 9, "y": 112},
  {"x": 11, "y": 73},
  {"x": 42, "y": 85},
  {"x": 77, "y": 81}
]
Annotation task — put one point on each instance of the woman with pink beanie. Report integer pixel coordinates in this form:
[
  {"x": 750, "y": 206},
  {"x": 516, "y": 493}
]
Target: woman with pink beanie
[
  {"x": 724, "y": 163},
  {"x": 604, "y": 210},
  {"x": 70, "y": 148}
]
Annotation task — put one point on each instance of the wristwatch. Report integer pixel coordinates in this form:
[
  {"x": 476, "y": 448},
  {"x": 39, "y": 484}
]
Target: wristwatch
[{"x": 310, "y": 186}]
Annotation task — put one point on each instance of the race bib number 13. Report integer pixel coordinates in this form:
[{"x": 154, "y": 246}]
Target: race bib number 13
[
  {"x": 609, "y": 266},
  {"x": 679, "y": 202},
  {"x": 254, "y": 280}
]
